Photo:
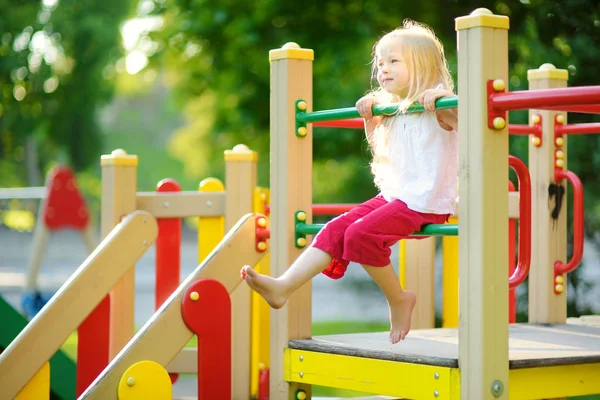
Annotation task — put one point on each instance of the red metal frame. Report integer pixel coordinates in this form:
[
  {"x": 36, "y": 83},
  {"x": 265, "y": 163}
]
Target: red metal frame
[
  {"x": 352, "y": 123},
  {"x": 561, "y": 268},
  {"x": 206, "y": 311},
  {"x": 262, "y": 234},
  {"x": 512, "y": 258},
  {"x": 522, "y": 269},
  {"x": 576, "y": 129},
  {"x": 332, "y": 209},
  {"x": 584, "y": 97},
  {"x": 494, "y": 112},
  {"x": 168, "y": 253}
]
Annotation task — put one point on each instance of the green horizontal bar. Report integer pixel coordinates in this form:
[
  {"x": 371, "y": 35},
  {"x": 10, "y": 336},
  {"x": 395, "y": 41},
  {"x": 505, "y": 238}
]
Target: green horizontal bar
[
  {"x": 429, "y": 230},
  {"x": 351, "y": 112}
]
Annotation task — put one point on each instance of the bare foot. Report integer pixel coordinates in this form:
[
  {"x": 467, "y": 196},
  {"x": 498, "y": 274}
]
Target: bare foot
[
  {"x": 400, "y": 316},
  {"x": 269, "y": 288}
]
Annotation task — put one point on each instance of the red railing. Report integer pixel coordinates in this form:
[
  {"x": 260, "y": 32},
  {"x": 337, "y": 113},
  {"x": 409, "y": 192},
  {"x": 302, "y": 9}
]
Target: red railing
[
  {"x": 561, "y": 268},
  {"x": 559, "y": 99},
  {"x": 522, "y": 269},
  {"x": 576, "y": 129}
]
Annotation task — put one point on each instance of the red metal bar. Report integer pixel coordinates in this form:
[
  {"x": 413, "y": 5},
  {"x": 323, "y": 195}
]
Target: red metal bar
[
  {"x": 331, "y": 209},
  {"x": 518, "y": 129},
  {"x": 512, "y": 258},
  {"x": 352, "y": 123},
  {"x": 561, "y": 268},
  {"x": 168, "y": 253},
  {"x": 206, "y": 311},
  {"x": 584, "y": 109},
  {"x": 92, "y": 345},
  {"x": 522, "y": 269},
  {"x": 577, "y": 129},
  {"x": 545, "y": 98}
]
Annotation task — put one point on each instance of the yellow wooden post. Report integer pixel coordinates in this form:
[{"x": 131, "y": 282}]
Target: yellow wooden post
[
  {"x": 210, "y": 229},
  {"x": 548, "y": 236},
  {"x": 417, "y": 273},
  {"x": 450, "y": 279},
  {"x": 291, "y": 191},
  {"x": 483, "y": 209},
  {"x": 240, "y": 181},
  {"x": 260, "y": 336},
  {"x": 38, "y": 388}
]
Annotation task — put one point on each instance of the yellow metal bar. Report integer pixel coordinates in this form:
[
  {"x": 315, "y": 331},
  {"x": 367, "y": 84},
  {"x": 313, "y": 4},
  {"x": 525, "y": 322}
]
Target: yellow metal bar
[
  {"x": 260, "y": 343},
  {"x": 450, "y": 279},
  {"x": 38, "y": 388},
  {"x": 210, "y": 229},
  {"x": 554, "y": 382},
  {"x": 390, "y": 378},
  {"x": 402, "y": 263}
]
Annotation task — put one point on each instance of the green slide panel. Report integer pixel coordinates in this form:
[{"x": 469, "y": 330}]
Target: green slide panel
[{"x": 62, "y": 368}]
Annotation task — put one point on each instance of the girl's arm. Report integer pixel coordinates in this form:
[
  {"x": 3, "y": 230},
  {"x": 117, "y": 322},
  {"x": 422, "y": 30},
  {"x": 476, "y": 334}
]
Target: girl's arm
[
  {"x": 448, "y": 118},
  {"x": 364, "y": 107}
]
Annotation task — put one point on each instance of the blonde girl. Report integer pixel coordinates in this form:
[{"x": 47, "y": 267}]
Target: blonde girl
[{"x": 415, "y": 162}]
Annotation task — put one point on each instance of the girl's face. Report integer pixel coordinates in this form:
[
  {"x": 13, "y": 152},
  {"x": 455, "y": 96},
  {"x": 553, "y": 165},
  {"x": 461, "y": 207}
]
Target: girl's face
[{"x": 392, "y": 73}]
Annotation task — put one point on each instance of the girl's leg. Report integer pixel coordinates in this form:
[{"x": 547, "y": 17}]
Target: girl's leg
[
  {"x": 277, "y": 290},
  {"x": 400, "y": 302},
  {"x": 312, "y": 260},
  {"x": 368, "y": 242}
]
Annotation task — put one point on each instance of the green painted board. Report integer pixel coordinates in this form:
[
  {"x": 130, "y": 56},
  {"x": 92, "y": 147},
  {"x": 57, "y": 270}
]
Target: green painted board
[{"x": 62, "y": 368}]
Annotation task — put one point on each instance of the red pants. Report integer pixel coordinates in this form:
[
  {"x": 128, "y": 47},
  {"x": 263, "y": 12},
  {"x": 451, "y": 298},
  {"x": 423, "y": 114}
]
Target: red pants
[{"x": 365, "y": 233}]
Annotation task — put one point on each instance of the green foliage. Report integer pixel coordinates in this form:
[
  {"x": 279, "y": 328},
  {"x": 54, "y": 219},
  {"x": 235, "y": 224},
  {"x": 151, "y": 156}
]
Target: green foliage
[{"x": 54, "y": 72}]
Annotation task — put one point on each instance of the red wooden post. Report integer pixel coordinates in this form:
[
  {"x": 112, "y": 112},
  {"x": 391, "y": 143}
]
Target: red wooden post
[
  {"x": 168, "y": 253},
  {"x": 206, "y": 311},
  {"x": 92, "y": 345}
]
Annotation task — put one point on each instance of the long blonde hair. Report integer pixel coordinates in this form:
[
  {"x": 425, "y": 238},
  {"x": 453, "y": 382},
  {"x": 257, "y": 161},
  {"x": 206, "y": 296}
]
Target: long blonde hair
[
  {"x": 427, "y": 67},
  {"x": 424, "y": 57}
]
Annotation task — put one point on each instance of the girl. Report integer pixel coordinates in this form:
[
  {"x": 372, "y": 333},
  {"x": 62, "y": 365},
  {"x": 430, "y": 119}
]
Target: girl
[{"x": 415, "y": 162}]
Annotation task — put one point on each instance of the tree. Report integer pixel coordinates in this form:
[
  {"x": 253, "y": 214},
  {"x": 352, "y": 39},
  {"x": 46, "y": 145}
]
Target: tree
[{"x": 57, "y": 67}]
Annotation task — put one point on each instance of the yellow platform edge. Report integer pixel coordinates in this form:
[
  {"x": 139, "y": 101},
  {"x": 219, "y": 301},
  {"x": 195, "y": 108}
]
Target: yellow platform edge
[{"x": 416, "y": 381}]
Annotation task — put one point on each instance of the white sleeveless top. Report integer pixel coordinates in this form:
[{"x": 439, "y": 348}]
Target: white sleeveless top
[{"x": 418, "y": 164}]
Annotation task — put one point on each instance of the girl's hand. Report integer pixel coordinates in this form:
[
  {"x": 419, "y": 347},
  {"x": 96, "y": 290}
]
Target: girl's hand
[
  {"x": 364, "y": 106},
  {"x": 429, "y": 96}
]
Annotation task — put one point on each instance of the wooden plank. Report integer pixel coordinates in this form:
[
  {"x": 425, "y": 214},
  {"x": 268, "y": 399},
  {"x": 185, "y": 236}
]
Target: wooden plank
[
  {"x": 553, "y": 382},
  {"x": 88, "y": 285},
  {"x": 119, "y": 183},
  {"x": 165, "y": 334},
  {"x": 417, "y": 263},
  {"x": 483, "y": 221},
  {"x": 291, "y": 191},
  {"x": 513, "y": 205},
  {"x": 529, "y": 346},
  {"x": 548, "y": 236},
  {"x": 186, "y": 362},
  {"x": 240, "y": 181},
  {"x": 406, "y": 380},
  {"x": 183, "y": 204}
]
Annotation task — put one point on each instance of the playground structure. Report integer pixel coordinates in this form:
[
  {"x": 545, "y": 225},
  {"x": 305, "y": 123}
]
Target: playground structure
[{"x": 121, "y": 365}]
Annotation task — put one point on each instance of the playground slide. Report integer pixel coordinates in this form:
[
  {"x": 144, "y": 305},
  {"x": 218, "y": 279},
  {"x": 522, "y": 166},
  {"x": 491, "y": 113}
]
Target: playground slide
[
  {"x": 74, "y": 301},
  {"x": 62, "y": 378},
  {"x": 165, "y": 334}
]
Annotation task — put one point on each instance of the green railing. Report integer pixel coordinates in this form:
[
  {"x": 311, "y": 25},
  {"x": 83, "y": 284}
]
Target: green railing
[
  {"x": 302, "y": 117},
  {"x": 303, "y": 229}
]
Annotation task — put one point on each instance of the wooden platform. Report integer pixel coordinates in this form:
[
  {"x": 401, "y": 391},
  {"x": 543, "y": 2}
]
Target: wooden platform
[
  {"x": 529, "y": 346},
  {"x": 546, "y": 361}
]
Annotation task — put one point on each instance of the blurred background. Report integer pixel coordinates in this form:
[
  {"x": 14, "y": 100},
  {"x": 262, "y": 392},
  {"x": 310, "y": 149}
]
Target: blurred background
[{"x": 177, "y": 82}]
